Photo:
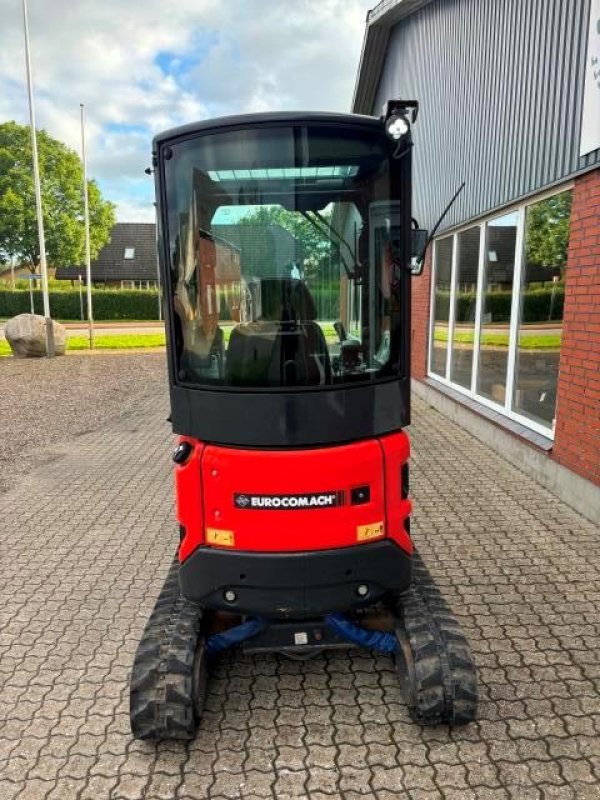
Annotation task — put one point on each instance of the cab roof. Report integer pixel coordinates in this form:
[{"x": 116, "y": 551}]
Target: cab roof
[{"x": 244, "y": 120}]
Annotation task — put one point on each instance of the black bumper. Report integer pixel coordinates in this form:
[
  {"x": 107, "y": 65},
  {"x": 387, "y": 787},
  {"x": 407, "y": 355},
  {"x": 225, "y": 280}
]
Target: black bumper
[{"x": 299, "y": 585}]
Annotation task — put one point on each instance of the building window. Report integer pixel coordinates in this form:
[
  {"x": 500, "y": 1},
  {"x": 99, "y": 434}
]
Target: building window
[
  {"x": 441, "y": 304},
  {"x": 497, "y": 308},
  {"x": 465, "y": 304},
  {"x": 499, "y": 271},
  {"x": 541, "y": 308},
  {"x": 129, "y": 253}
]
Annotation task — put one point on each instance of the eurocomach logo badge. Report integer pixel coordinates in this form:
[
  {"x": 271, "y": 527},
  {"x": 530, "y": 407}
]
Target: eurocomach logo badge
[{"x": 288, "y": 502}]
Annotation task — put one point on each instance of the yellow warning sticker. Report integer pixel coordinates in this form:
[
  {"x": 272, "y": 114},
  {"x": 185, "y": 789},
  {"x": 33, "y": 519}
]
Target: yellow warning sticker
[
  {"x": 223, "y": 538},
  {"x": 373, "y": 531}
]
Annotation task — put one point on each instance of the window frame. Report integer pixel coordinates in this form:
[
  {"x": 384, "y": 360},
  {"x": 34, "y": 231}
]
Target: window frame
[
  {"x": 506, "y": 408},
  {"x": 399, "y": 175}
]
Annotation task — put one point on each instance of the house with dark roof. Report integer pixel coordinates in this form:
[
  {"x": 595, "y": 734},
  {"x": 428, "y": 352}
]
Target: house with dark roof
[
  {"x": 267, "y": 251},
  {"x": 129, "y": 259}
]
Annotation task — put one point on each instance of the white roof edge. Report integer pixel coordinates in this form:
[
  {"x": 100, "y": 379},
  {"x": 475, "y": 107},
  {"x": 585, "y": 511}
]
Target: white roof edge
[
  {"x": 390, "y": 11},
  {"x": 379, "y": 21}
]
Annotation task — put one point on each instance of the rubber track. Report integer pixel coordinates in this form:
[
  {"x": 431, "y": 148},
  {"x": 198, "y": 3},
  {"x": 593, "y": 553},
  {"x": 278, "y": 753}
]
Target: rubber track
[
  {"x": 162, "y": 702},
  {"x": 441, "y": 681}
]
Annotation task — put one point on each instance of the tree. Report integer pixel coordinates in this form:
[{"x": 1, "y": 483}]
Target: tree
[
  {"x": 547, "y": 231},
  {"x": 61, "y": 176},
  {"x": 316, "y": 244}
]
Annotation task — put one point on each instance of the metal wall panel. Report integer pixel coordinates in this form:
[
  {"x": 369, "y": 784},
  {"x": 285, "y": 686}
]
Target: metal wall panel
[{"x": 500, "y": 83}]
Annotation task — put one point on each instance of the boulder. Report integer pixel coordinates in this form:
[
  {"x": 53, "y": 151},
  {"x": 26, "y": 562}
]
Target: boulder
[{"x": 26, "y": 335}]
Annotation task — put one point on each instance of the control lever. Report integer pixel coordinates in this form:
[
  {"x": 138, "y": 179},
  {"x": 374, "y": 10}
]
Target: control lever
[{"x": 340, "y": 330}]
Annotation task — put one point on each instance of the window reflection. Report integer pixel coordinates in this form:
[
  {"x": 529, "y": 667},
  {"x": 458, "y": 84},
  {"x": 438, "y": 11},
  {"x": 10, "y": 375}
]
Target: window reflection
[
  {"x": 541, "y": 308},
  {"x": 467, "y": 262},
  {"x": 441, "y": 301},
  {"x": 282, "y": 276},
  {"x": 499, "y": 261},
  {"x": 540, "y": 299}
]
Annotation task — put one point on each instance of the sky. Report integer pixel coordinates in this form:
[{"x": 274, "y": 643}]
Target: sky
[{"x": 141, "y": 66}]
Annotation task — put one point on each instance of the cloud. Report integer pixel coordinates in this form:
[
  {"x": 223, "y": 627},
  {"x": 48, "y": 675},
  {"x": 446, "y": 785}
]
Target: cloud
[{"x": 147, "y": 65}]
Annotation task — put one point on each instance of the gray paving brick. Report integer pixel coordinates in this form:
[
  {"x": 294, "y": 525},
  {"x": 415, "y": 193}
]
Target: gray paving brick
[{"x": 96, "y": 536}]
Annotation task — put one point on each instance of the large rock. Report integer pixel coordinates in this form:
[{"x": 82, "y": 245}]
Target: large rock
[{"x": 26, "y": 335}]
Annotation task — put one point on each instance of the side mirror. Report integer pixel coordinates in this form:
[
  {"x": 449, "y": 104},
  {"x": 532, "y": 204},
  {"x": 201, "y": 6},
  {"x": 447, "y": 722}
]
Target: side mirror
[{"x": 419, "y": 241}]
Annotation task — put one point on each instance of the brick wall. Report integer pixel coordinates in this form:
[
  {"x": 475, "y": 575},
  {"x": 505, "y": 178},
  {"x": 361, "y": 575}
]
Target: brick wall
[
  {"x": 577, "y": 437},
  {"x": 421, "y": 289}
]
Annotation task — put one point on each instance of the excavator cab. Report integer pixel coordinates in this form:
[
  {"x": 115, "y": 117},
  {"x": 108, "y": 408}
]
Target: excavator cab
[{"x": 285, "y": 244}]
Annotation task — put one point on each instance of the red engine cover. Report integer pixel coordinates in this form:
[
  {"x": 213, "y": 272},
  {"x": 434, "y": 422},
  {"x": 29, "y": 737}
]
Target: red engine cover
[{"x": 292, "y": 500}]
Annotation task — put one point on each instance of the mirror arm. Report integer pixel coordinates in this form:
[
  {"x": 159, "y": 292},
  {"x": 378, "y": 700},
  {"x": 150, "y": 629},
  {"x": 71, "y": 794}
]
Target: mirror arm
[{"x": 421, "y": 258}]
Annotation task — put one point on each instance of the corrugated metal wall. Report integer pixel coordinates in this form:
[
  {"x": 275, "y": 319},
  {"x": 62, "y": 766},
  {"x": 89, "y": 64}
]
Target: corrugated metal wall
[{"x": 500, "y": 83}]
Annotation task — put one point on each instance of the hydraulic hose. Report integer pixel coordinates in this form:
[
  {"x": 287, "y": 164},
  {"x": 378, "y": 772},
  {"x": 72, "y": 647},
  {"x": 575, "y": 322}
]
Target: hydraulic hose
[
  {"x": 372, "y": 640},
  {"x": 234, "y": 636}
]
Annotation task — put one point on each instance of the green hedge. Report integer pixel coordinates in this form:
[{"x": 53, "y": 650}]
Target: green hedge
[
  {"x": 537, "y": 305},
  {"x": 126, "y": 304},
  {"x": 141, "y": 304},
  {"x": 327, "y": 302},
  {"x": 107, "y": 303}
]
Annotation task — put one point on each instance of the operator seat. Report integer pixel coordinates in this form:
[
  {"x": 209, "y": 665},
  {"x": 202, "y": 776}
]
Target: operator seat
[{"x": 285, "y": 347}]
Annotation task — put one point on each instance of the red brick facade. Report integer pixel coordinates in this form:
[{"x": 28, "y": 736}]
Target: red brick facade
[
  {"x": 421, "y": 293},
  {"x": 577, "y": 436}
]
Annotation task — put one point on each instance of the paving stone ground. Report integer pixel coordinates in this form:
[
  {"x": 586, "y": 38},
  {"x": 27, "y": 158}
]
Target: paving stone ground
[{"x": 85, "y": 546}]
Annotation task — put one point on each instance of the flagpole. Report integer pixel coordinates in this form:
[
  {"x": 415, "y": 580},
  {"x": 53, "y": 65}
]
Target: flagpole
[
  {"x": 50, "y": 349},
  {"x": 86, "y": 214}
]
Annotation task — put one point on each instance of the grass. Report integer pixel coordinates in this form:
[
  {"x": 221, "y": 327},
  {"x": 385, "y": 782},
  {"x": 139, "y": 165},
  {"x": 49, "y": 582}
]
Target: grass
[
  {"x": 134, "y": 341},
  {"x": 118, "y": 341},
  {"x": 533, "y": 341},
  {"x": 125, "y": 341},
  {"x": 81, "y": 323}
]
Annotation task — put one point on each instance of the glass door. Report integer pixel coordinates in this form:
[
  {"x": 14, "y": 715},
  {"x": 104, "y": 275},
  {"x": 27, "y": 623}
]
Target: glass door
[
  {"x": 498, "y": 279},
  {"x": 441, "y": 305},
  {"x": 465, "y": 303},
  {"x": 541, "y": 308}
]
